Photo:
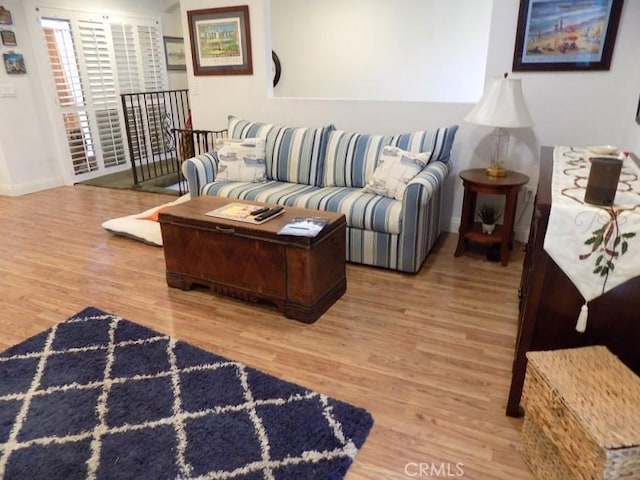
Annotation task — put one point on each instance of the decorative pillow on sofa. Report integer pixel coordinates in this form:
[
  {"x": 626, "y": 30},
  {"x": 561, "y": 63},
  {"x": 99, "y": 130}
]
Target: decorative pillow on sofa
[
  {"x": 242, "y": 161},
  {"x": 293, "y": 154},
  {"x": 351, "y": 158},
  {"x": 396, "y": 168}
]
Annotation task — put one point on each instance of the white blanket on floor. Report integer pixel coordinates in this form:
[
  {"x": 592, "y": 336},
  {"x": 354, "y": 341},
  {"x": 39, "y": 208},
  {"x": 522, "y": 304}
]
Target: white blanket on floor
[{"x": 143, "y": 226}]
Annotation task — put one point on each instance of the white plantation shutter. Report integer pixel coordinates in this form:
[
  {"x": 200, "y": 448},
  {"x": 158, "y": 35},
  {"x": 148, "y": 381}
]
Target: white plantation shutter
[
  {"x": 126, "y": 55},
  {"x": 153, "y": 69},
  {"x": 95, "y": 58},
  {"x": 102, "y": 91},
  {"x": 70, "y": 93}
]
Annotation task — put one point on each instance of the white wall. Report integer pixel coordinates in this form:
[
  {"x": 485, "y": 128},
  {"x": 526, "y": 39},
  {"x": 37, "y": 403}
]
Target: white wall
[
  {"x": 569, "y": 108},
  {"x": 172, "y": 27},
  {"x": 27, "y": 164},
  {"x": 381, "y": 49}
]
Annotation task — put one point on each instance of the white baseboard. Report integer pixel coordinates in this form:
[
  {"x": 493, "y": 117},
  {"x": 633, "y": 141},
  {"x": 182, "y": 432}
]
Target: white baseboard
[{"x": 30, "y": 187}]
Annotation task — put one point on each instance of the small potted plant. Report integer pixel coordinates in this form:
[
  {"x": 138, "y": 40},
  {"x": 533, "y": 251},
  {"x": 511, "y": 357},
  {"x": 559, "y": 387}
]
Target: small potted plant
[{"x": 489, "y": 215}]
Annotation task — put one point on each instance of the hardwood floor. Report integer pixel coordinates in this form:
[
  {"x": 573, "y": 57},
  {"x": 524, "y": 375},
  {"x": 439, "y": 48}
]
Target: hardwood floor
[{"x": 429, "y": 355}]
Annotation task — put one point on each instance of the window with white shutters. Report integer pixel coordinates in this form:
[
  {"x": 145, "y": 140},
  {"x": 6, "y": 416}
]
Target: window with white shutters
[{"x": 95, "y": 58}]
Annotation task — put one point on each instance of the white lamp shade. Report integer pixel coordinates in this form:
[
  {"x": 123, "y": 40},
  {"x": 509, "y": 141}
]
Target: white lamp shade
[{"x": 502, "y": 105}]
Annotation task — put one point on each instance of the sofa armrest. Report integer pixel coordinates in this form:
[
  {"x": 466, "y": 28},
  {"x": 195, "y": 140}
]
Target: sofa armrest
[
  {"x": 421, "y": 207},
  {"x": 199, "y": 171},
  {"x": 423, "y": 186}
]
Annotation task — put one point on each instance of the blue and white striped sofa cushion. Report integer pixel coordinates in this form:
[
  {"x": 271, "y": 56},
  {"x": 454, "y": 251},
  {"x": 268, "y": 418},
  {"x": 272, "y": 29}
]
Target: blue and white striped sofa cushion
[
  {"x": 293, "y": 154},
  {"x": 351, "y": 158},
  {"x": 362, "y": 210}
]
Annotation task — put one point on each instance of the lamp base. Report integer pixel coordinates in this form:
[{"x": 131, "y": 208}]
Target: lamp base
[{"x": 496, "y": 171}]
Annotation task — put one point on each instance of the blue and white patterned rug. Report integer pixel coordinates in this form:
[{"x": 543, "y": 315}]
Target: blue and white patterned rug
[{"x": 100, "y": 397}]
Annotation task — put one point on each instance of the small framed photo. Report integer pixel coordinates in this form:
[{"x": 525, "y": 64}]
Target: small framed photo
[
  {"x": 565, "y": 35},
  {"x": 8, "y": 38},
  {"x": 220, "y": 41},
  {"x": 174, "y": 53},
  {"x": 5, "y": 16},
  {"x": 14, "y": 63}
]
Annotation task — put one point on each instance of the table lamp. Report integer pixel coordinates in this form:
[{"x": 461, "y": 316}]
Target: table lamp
[{"x": 502, "y": 106}]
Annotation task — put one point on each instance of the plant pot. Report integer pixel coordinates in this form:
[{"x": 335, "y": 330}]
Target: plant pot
[{"x": 488, "y": 228}]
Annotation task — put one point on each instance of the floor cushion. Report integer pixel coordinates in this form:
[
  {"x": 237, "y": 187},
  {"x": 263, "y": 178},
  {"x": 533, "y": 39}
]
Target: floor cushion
[{"x": 143, "y": 226}]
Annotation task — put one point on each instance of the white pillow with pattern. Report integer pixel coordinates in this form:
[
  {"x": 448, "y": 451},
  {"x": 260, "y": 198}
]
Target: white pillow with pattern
[
  {"x": 242, "y": 161},
  {"x": 395, "y": 169}
]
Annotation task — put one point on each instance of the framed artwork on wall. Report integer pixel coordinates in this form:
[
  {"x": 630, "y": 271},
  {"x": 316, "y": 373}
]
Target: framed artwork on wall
[
  {"x": 8, "y": 38},
  {"x": 565, "y": 35},
  {"x": 220, "y": 41},
  {"x": 174, "y": 53},
  {"x": 5, "y": 16},
  {"x": 14, "y": 63}
]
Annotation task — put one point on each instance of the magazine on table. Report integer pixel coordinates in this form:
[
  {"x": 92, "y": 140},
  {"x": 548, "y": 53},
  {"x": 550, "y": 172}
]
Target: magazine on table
[
  {"x": 304, "y": 226},
  {"x": 243, "y": 212}
]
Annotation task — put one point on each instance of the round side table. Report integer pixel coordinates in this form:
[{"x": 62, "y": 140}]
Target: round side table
[{"x": 477, "y": 181}]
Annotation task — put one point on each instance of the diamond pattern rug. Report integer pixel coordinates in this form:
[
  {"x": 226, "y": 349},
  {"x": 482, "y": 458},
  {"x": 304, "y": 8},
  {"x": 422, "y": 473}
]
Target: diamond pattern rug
[{"x": 98, "y": 396}]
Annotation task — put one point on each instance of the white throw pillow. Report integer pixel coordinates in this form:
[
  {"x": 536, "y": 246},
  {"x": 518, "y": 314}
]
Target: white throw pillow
[
  {"x": 242, "y": 161},
  {"x": 396, "y": 168}
]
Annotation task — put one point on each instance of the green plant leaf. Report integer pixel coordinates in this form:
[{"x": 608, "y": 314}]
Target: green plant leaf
[{"x": 624, "y": 247}]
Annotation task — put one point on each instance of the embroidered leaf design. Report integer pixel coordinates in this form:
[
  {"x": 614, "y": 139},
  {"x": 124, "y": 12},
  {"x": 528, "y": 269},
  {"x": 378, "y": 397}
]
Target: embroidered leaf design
[{"x": 609, "y": 244}]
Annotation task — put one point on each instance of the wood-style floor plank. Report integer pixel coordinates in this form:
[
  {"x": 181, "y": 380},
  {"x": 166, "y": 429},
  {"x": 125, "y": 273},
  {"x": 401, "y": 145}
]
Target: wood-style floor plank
[{"x": 429, "y": 355}]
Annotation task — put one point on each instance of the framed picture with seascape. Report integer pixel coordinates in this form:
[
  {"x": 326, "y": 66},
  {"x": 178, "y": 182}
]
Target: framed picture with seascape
[
  {"x": 565, "y": 35},
  {"x": 14, "y": 63},
  {"x": 220, "y": 41}
]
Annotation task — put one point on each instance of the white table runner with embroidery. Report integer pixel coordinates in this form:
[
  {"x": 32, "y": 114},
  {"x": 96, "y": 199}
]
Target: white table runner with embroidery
[{"x": 598, "y": 248}]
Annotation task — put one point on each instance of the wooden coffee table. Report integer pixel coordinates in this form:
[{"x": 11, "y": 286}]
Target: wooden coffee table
[{"x": 302, "y": 276}]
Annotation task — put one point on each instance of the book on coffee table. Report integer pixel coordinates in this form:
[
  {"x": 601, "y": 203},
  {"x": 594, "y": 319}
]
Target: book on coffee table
[
  {"x": 304, "y": 226},
  {"x": 243, "y": 212}
]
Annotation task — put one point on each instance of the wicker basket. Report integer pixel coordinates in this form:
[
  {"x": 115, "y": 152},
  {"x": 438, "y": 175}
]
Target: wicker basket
[
  {"x": 582, "y": 410},
  {"x": 541, "y": 455}
]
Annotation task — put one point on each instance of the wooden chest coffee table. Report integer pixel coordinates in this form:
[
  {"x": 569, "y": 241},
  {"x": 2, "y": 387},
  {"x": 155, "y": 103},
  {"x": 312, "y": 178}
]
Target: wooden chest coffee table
[{"x": 302, "y": 276}]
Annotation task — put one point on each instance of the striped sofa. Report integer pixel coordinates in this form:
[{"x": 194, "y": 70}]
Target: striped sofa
[{"x": 326, "y": 169}]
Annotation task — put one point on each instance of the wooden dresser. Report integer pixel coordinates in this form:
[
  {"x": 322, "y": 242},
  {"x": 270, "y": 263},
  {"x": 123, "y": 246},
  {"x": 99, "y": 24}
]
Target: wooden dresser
[{"x": 550, "y": 303}]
